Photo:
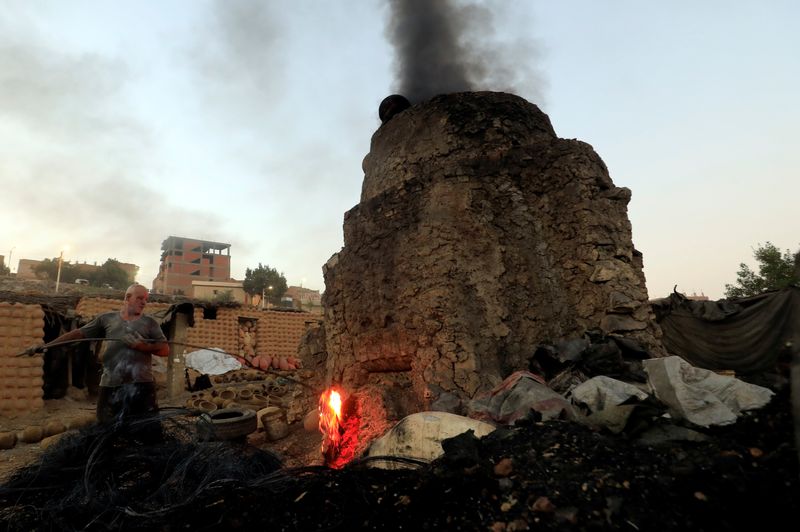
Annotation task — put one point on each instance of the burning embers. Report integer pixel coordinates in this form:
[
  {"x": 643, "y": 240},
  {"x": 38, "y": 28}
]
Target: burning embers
[{"x": 338, "y": 422}]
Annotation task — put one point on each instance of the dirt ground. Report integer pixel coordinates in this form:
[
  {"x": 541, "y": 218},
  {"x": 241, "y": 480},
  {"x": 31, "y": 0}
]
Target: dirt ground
[
  {"x": 553, "y": 475},
  {"x": 298, "y": 448}
]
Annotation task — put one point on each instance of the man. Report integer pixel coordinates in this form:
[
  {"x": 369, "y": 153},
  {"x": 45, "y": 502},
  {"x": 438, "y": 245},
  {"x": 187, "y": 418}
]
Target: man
[{"x": 127, "y": 386}]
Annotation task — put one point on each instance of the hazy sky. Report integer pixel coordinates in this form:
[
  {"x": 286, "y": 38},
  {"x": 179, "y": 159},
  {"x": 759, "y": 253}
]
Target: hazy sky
[{"x": 123, "y": 122}]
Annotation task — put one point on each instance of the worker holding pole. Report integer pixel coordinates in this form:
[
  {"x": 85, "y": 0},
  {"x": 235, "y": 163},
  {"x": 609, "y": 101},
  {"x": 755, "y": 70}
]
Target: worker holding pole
[{"x": 127, "y": 386}]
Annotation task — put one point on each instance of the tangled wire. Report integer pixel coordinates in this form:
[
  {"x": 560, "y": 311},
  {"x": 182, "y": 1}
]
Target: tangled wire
[{"x": 125, "y": 476}]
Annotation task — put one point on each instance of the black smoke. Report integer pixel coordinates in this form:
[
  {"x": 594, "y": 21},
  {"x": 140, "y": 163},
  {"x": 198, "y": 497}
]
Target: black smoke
[{"x": 445, "y": 46}]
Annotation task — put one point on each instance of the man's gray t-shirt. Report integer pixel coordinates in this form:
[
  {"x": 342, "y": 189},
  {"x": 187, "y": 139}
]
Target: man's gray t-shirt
[{"x": 121, "y": 364}]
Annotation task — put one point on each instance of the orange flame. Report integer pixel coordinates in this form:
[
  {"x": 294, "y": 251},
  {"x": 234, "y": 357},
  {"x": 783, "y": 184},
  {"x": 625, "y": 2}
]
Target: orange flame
[{"x": 330, "y": 421}]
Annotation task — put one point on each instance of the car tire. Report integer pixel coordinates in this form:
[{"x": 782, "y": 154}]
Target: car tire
[{"x": 227, "y": 424}]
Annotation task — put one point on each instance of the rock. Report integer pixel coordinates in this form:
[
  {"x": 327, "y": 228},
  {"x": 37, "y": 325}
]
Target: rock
[{"x": 504, "y": 467}]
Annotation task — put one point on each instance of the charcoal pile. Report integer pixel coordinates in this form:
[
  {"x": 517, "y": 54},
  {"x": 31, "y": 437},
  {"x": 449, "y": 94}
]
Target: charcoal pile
[{"x": 548, "y": 475}]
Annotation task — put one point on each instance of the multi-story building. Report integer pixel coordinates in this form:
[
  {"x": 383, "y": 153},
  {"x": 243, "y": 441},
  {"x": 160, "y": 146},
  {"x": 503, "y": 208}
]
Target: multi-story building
[{"x": 184, "y": 260}]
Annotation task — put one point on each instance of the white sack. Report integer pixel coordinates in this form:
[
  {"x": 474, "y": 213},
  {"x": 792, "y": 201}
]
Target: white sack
[
  {"x": 420, "y": 436},
  {"x": 701, "y": 396}
]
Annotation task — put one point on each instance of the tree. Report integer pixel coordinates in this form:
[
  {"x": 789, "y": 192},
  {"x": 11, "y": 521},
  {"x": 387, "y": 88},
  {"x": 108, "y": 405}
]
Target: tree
[
  {"x": 48, "y": 269},
  {"x": 226, "y": 296},
  {"x": 257, "y": 281},
  {"x": 112, "y": 274},
  {"x": 5, "y": 270},
  {"x": 776, "y": 270}
]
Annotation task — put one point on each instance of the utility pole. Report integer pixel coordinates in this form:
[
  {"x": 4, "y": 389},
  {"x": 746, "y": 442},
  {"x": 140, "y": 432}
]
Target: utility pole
[{"x": 58, "y": 275}]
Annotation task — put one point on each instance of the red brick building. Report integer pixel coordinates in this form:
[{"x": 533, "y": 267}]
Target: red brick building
[{"x": 184, "y": 260}]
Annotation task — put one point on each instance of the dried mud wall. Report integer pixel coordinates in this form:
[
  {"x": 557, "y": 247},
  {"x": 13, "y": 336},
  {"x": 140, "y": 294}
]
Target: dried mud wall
[
  {"x": 21, "y": 326},
  {"x": 479, "y": 235},
  {"x": 89, "y": 307},
  {"x": 277, "y": 333}
]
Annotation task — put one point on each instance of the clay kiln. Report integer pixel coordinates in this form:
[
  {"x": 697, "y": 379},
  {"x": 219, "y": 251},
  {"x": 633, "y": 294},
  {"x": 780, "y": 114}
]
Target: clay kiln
[{"x": 479, "y": 234}]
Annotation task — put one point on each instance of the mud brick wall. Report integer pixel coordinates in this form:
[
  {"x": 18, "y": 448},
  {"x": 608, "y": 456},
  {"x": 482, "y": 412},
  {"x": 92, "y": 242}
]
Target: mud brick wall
[
  {"x": 20, "y": 377},
  {"x": 277, "y": 333},
  {"x": 89, "y": 307}
]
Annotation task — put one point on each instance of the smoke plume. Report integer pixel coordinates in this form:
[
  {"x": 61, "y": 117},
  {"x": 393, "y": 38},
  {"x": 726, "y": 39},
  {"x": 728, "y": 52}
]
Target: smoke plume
[{"x": 448, "y": 46}]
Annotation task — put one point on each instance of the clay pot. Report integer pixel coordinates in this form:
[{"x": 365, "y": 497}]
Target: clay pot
[
  {"x": 51, "y": 428},
  {"x": 81, "y": 421},
  {"x": 246, "y": 394},
  {"x": 227, "y": 394},
  {"x": 8, "y": 440},
  {"x": 311, "y": 421},
  {"x": 205, "y": 405},
  {"x": 274, "y": 423},
  {"x": 32, "y": 434},
  {"x": 278, "y": 389},
  {"x": 51, "y": 440}
]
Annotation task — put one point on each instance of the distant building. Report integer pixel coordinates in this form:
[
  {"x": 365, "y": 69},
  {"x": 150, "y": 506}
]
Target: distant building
[
  {"x": 184, "y": 260},
  {"x": 695, "y": 297},
  {"x": 212, "y": 290},
  {"x": 26, "y": 267},
  {"x": 303, "y": 297}
]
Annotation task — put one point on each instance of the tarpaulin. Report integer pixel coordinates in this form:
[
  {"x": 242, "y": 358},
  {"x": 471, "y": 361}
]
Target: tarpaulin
[{"x": 746, "y": 335}]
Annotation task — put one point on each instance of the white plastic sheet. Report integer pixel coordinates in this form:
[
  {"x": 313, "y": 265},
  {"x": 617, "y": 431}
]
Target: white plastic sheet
[
  {"x": 212, "y": 361},
  {"x": 702, "y": 396}
]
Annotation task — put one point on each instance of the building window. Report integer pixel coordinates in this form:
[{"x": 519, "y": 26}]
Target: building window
[
  {"x": 196, "y": 272},
  {"x": 178, "y": 253},
  {"x": 209, "y": 313}
]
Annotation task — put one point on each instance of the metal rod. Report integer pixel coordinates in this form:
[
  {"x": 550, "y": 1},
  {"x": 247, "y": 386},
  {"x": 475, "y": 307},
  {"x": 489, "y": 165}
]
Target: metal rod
[{"x": 171, "y": 342}]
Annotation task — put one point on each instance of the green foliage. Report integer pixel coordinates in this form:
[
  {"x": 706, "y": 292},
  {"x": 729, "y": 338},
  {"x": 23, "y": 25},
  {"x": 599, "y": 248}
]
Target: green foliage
[
  {"x": 110, "y": 273},
  {"x": 225, "y": 296},
  {"x": 258, "y": 280},
  {"x": 48, "y": 269},
  {"x": 5, "y": 270},
  {"x": 776, "y": 270}
]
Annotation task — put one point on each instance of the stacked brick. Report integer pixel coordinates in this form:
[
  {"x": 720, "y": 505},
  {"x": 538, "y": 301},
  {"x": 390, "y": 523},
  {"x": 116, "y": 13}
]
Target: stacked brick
[
  {"x": 275, "y": 333},
  {"x": 219, "y": 333},
  {"x": 89, "y": 307},
  {"x": 20, "y": 377}
]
